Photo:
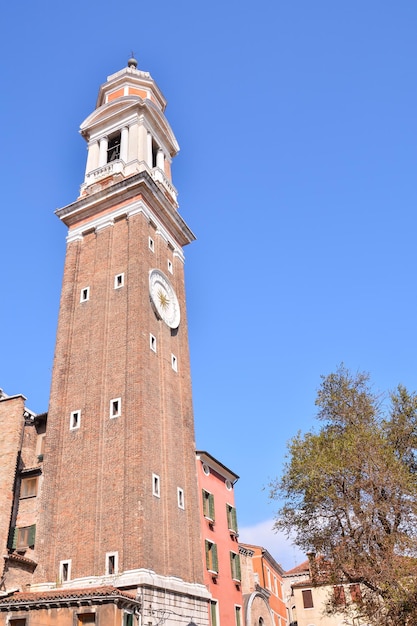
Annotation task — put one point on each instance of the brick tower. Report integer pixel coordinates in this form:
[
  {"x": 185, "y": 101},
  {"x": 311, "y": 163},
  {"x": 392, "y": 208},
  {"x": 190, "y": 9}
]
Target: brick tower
[{"x": 119, "y": 496}]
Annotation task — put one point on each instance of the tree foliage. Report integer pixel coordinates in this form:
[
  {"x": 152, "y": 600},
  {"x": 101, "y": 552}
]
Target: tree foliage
[{"x": 350, "y": 494}]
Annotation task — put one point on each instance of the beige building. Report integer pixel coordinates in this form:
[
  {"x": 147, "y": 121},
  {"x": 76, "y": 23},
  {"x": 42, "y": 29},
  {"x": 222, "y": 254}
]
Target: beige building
[{"x": 307, "y": 595}]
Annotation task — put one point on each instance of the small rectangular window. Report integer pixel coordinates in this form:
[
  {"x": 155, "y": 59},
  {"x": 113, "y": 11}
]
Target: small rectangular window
[
  {"x": 29, "y": 487},
  {"x": 119, "y": 281},
  {"x": 238, "y": 616},
  {"x": 151, "y": 244},
  {"x": 174, "y": 362},
  {"x": 235, "y": 566},
  {"x": 211, "y": 557},
  {"x": 111, "y": 563},
  {"x": 156, "y": 486},
  {"x": 115, "y": 407},
  {"x": 85, "y": 294},
  {"x": 64, "y": 571},
  {"x": 180, "y": 496},
  {"x": 86, "y": 618},
  {"x": 152, "y": 342},
  {"x": 307, "y": 599},
  {"x": 18, "y": 621},
  {"x": 170, "y": 267},
  {"x": 208, "y": 505},
  {"x": 75, "y": 420}
]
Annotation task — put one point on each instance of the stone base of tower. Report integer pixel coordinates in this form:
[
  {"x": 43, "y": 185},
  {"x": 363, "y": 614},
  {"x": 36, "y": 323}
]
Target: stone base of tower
[{"x": 134, "y": 598}]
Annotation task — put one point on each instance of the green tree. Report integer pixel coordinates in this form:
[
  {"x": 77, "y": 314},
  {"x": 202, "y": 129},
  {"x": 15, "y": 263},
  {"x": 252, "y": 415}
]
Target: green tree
[{"x": 350, "y": 494}]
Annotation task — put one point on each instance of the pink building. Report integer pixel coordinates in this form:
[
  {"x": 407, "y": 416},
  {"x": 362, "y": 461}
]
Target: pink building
[{"x": 220, "y": 546}]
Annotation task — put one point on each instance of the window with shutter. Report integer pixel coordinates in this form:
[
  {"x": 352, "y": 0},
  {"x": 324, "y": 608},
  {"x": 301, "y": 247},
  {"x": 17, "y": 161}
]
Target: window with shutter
[
  {"x": 355, "y": 593},
  {"x": 211, "y": 557},
  {"x": 238, "y": 615},
  {"x": 213, "y": 612},
  {"x": 307, "y": 599},
  {"x": 231, "y": 518},
  {"x": 339, "y": 595},
  {"x": 128, "y": 619},
  {"x": 24, "y": 537},
  {"x": 208, "y": 505},
  {"x": 235, "y": 566}
]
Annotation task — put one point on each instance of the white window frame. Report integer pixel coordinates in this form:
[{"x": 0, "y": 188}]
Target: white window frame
[
  {"x": 156, "y": 486},
  {"x": 75, "y": 419},
  {"x": 151, "y": 244},
  {"x": 174, "y": 362},
  {"x": 180, "y": 498},
  {"x": 113, "y": 406},
  {"x": 62, "y": 564},
  {"x": 85, "y": 294},
  {"x": 170, "y": 266},
  {"x": 110, "y": 555},
  {"x": 152, "y": 342},
  {"x": 119, "y": 281}
]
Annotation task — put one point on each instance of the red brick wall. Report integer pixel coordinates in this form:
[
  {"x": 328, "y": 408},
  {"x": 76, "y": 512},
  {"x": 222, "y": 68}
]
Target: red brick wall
[
  {"x": 11, "y": 427},
  {"x": 98, "y": 478}
]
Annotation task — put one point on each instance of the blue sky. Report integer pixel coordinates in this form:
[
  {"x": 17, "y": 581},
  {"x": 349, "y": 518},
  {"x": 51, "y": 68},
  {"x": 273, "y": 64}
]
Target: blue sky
[{"x": 298, "y": 131}]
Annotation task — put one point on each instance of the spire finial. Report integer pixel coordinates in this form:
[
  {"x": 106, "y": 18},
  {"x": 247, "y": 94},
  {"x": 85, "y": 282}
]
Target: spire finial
[{"x": 132, "y": 61}]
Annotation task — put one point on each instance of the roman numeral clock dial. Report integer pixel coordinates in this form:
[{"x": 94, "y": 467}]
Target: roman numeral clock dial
[{"x": 164, "y": 299}]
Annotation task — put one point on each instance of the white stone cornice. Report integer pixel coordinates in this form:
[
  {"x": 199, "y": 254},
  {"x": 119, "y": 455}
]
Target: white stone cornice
[
  {"x": 110, "y": 218},
  {"x": 127, "y": 192},
  {"x": 133, "y": 578}
]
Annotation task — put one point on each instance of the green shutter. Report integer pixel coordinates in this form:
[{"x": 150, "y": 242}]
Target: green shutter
[
  {"x": 211, "y": 507},
  {"x": 203, "y": 494},
  {"x": 238, "y": 572},
  {"x": 215, "y": 559},
  {"x": 32, "y": 535},
  {"x": 235, "y": 566},
  {"x": 128, "y": 619},
  {"x": 213, "y": 613},
  {"x": 12, "y": 538},
  {"x": 237, "y": 613},
  {"x": 234, "y": 519},
  {"x": 212, "y": 562},
  {"x": 231, "y": 517},
  {"x": 207, "y": 547}
]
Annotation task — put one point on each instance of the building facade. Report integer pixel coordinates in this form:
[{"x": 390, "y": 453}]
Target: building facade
[
  {"x": 262, "y": 586},
  {"x": 220, "y": 548},
  {"x": 309, "y": 593},
  {"x": 112, "y": 535}
]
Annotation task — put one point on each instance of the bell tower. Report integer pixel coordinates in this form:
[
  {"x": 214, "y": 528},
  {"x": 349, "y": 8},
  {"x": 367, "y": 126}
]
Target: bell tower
[{"x": 119, "y": 497}]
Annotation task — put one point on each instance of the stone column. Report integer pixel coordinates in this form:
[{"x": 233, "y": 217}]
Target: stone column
[
  {"x": 124, "y": 143},
  {"x": 104, "y": 144}
]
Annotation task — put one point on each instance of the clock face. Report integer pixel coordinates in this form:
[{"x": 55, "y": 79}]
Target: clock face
[{"x": 163, "y": 298}]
